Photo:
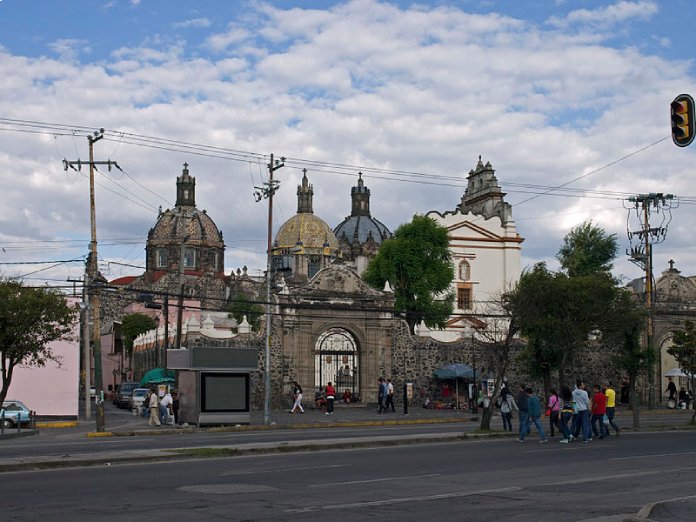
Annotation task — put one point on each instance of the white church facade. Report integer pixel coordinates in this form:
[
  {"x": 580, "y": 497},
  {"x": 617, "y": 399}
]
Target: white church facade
[{"x": 486, "y": 253}]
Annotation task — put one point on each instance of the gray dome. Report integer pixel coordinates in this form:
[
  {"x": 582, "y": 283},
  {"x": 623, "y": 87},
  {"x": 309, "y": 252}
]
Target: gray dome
[{"x": 358, "y": 229}]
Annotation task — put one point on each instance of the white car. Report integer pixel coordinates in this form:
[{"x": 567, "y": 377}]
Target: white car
[{"x": 138, "y": 398}]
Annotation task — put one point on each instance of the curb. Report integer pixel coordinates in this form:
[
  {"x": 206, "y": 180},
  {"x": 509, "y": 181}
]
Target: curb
[{"x": 56, "y": 424}]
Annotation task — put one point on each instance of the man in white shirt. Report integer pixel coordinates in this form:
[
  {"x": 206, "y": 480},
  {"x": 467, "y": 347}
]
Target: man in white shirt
[{"x": 164, "y": 408}]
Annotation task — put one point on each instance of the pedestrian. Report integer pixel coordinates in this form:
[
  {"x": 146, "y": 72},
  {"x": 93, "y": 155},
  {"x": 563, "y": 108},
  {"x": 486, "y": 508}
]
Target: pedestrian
[
  {"x": 582, "y": 403},
  {"x": 599, "y": 410},
  {"x": 381, "y": 392},
  {"x": 297, "y": 395},
  {"x": 507, "y": 406},
  {"x": 566, "y": 413},
  {"x": 175, "y": 407},
  {"x": 164, "y": 405},
  {"x": 145, "y": 406},
  {"x": 390, "y": 397},
  {"x": 522, "y": 399},
  {"x": 672, "y": 389},
  {"x": 611, "y": 407},
  {"x": 330, "y": 396},
  {"x": 554, "y": 409},
  {"x": 154, "y": 409},
  {"x": 534, "y": 412}
]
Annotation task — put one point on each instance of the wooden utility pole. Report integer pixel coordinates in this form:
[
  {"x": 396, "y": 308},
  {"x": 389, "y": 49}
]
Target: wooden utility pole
[
  {"x": 267, "y": 192},
  {"x": 92, "y": 274}
]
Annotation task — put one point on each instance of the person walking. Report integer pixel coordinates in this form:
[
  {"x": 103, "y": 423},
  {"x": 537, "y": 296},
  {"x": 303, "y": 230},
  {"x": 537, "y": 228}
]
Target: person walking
[
  {"x": 554, "y": 407},
  {"x": 154, "y": 409},
  {"x": 507, "y": 406},
  {"x": 390, "y": 397},
  {"x": 330, "y": 396},
  {"x": 297, "y": 395},
  {"x": 582, "y": 403},
  {"x": 164, "y": 405},
  {"x": 381, "y": 394},
  {"x": 599, "y": 410},
  {"x": 672, "y": 389},
  {"x": 566, "y": 413},
  {"x": 522, "y": 399},
  {"x": 611, "y": 407},
  {"x": 534, "y": 412}
]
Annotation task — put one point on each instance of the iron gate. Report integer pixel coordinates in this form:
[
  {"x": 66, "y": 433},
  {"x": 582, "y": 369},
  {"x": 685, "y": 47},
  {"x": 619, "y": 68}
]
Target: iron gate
[{"x": 336, "y": 360}]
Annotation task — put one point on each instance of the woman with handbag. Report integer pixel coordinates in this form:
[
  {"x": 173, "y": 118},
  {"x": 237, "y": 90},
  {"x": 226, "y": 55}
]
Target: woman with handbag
[{"x": 553, "y": 410}]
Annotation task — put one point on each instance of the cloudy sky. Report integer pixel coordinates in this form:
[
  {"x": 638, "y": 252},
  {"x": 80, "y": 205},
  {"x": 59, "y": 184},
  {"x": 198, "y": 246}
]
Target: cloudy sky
[{"x": 568, "y": 100}]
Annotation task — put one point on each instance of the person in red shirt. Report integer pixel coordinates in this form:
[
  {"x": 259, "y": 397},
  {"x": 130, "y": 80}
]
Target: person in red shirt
[
  {"x": 599, "y": 409},
  {"x": 330, "y": 396}
]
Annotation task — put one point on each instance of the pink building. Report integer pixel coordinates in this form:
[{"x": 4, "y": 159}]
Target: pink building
[{"x": 53, "y": 390}]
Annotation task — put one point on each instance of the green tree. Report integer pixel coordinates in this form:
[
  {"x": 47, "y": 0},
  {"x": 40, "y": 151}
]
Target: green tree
[
  {"x": 132, "y": 325},
  {"x": 242, "y": 305},
  {"x": 683, "y": 350},
  {"x": 556, "y": 313},
  {"x": 30, "y": 319},
  {"x": 587, "y": 250},
  {"x": 417, "y": 263},
  {"x": 621, "y": 334}
]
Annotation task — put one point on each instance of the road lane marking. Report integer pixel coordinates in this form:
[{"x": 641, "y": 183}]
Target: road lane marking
[
  {"x": 283, "y": 470},
  {"x": 383, "y": 479},
  {"x": 387, "y": 502},
  {"x": 650, "y": 455}
]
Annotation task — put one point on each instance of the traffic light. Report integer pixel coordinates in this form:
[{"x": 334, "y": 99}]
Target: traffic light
[{"x": 682, "y": 109}]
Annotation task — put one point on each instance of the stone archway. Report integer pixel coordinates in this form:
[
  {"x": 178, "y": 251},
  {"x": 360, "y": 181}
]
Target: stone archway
[{"x": 336, "y": 360}]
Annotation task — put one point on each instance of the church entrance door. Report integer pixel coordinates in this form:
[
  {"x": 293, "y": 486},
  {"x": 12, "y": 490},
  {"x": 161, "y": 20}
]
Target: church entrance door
[{"x": 336, "y": 360}]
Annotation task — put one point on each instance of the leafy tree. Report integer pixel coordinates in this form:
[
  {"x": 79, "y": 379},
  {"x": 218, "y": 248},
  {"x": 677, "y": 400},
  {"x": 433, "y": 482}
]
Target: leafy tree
[
  {"x": 556, "y": 313},
  {"x": 621, "y": 334},
  {"x": 417, "y": 263},
  {"x": 242, "y": 305},
  {"x": 132, "y": 325},
  {"x": 30, "y": 319},
  {"x": 683, "y": 350},
  {"x": 587, "y": 250}
]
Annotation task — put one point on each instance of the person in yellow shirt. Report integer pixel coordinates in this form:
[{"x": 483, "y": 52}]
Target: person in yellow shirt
[{"x": 611, "y": 407}]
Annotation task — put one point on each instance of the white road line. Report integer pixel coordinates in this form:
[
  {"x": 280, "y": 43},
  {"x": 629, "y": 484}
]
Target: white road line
[
  {"x": 403, "y": 500},
  {"x": 651, "y": 455},
  {"x": 383, "y": 479},
  {"x": 282, "y": 470}
]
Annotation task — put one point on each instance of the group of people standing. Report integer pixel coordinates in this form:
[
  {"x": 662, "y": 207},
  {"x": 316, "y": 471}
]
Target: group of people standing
[
  {"x": 385, "y": 396},
  {"x": 161, "y": 409},
  {"x": 572, "y": 413}
]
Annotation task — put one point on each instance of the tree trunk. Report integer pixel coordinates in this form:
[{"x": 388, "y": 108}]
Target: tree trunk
[{"x": 633, "y": 401}]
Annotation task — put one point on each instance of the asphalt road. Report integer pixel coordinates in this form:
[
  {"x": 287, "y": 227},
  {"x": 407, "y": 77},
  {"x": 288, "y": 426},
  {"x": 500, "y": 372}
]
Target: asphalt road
[{"x": 486, "y": 480}]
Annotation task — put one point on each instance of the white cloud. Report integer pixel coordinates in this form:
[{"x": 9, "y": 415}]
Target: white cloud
[
  {"x": 362, "y": 83},
  {"x": 69, "y": 49},
  {"x": 194, "y": 22},
  {"x": 611, "y": 15}
]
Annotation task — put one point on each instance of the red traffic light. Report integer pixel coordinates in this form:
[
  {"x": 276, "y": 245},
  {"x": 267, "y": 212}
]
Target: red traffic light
[{"x": 682, "y": 115}]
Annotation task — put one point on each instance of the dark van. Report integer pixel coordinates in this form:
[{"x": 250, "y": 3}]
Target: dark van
[{"x": 125, "y": 390}]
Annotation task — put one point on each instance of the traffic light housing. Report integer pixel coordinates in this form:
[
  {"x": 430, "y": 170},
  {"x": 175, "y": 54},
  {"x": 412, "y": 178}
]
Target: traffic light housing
[{"x": 683, "y": 128}]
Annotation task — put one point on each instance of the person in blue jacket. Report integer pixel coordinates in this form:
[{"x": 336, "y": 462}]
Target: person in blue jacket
[{"x": 534, "y": 412}]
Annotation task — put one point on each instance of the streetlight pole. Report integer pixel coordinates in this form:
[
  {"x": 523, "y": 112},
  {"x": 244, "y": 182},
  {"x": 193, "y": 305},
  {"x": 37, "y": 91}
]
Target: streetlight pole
[{"x": 267, "y": 192}]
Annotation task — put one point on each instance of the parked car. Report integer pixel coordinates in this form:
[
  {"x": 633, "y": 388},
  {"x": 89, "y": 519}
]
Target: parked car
[
  {"x": 14, "y": 412},
  {"x": 125, "y": 390},
  {"x": 138, "y": 397}
]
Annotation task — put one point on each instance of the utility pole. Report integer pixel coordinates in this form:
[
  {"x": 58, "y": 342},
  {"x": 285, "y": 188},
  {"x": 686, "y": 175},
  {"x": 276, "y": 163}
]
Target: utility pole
[
  {"x": 92, "y": 271},
  {"x": 644, "y": 205},
  {"x": 267, "y": 192},
  {"x": 182, "y": 281}
]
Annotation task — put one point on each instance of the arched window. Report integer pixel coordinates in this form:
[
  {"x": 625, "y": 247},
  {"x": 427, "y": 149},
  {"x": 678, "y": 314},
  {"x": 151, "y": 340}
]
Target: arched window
[{"x": 464, "y": 270}]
